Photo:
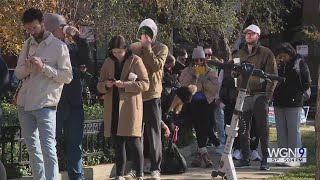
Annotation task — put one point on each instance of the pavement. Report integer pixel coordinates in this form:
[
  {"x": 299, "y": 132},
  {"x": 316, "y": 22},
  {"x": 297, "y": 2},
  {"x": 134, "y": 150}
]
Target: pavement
[{"x": 107, "y": 171}]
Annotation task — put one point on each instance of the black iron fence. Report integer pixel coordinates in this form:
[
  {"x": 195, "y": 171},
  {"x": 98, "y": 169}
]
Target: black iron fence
[{"x": 96, "y": 149}]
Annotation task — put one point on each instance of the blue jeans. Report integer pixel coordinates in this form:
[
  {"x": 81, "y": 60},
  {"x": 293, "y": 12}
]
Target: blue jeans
[
  {"x": 38, "y": 129},
  {"x": 219, "y": 117},
  {"x": 71, "y": 122}
]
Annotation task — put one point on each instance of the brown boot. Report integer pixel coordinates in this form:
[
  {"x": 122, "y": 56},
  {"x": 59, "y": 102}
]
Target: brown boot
[
  {"x": 196, "y": 162},
  {"x": 207, "y": 161}
]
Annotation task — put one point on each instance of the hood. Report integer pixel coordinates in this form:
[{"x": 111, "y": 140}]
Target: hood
[{"x": 152, "y": 25}]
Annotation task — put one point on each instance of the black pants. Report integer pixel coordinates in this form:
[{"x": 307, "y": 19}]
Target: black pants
[
  {"x": 256, "y": 106},
  {"x": 121, "y": 156},
  {"x": 152, "y": 126},
  {"x": 212, "y": 137},
  {"x": 198, "y": 114}
]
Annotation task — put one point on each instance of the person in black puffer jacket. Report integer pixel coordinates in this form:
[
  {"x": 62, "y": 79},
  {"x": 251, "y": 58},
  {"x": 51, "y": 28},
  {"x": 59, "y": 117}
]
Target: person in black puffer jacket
[{"x": 288, "y": 96}]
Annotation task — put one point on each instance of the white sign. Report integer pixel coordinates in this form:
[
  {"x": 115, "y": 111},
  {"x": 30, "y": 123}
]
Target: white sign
[{"x": 302, "y": 49}]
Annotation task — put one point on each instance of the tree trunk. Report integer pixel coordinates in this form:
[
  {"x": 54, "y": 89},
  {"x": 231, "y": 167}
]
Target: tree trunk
[{"x": 317, "y": 128}]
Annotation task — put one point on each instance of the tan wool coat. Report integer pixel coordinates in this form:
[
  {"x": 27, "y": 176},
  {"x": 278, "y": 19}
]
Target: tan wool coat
[{"x": 130, "y": 104}]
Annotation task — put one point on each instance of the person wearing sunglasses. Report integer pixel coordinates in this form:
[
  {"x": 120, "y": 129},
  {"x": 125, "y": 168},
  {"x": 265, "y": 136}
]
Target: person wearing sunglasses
[
  {"x": 181, "y": 63},
  {"x": 199, "y": 111}
]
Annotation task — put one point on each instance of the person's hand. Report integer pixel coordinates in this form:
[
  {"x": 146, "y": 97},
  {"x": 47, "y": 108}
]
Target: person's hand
[
  {"x": 72, "y": 31},
  {"x": 166, "y": 130},
  {"x": 145, "y": 40},
  {"x": 36, "y": 62},
  {"x": 119, "y": 84},
  {"x": 28, "y": 65}
]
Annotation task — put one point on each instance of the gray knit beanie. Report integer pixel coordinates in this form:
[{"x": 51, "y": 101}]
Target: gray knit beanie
[
  {"x": 53, "y": 21},
  {"x": 198, "y": 53}
]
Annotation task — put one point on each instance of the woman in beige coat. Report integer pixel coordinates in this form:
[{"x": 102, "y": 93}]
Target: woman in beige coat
[
  {"x": 123, "y": 77},
  {"x": 198, "y": 111}
]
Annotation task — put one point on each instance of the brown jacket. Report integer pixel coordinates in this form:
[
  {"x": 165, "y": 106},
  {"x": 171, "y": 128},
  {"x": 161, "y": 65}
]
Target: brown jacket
[
  {"x": 153, "y": 59},
  {"x": 262, "y": 58},
  {"x": 208, "y": 84},
  {"x": 130, "y": 105}
]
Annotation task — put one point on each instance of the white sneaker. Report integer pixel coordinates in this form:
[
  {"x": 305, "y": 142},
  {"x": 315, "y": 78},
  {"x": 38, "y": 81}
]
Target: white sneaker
[
  {"x": 220, "y": 149},
  {"x": 255, "y": 156},
  {"x": 292, "y": 164},
  {"x": 155, "y": 175},
  {"x": 236, "y": 154},
  {"x": 131, "y": 174}
]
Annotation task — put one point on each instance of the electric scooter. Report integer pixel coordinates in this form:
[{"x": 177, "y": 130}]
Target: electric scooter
[{"x": 246, "y": 70}]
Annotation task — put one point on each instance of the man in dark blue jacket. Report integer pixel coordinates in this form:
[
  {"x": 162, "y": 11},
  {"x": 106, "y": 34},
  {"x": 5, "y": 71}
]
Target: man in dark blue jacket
[
  {"x": 70, "y": 114},
  {"x": 3, "y": 82}
]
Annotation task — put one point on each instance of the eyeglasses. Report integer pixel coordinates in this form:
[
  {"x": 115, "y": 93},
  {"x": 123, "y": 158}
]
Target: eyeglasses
[{"x": 208, "y": 55}]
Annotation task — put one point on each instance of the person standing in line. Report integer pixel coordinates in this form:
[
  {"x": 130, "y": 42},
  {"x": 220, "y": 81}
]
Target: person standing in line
[
  {"x": 288, "y": 97},
  {"x": 44, "y": 67},
  {"x": 199, "y": 111},
  {"x": 123, "y": 78},
  {"x": 218, "y": 113},
  {"x": 70, "y": 113},
  {"x": 259, "y": 96},
  {"x": 153, "y": 55}
]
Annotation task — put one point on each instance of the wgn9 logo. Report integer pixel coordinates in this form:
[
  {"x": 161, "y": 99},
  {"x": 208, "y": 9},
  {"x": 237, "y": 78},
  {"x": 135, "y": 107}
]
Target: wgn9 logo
[{"x": 282, "y": 155}]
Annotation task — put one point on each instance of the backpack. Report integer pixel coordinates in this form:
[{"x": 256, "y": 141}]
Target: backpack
[{"x": 297, "y": 66}]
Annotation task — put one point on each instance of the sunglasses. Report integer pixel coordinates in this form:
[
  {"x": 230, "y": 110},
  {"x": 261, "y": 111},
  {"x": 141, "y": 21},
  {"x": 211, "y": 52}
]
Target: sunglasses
[{"x": 208, "y": 55}]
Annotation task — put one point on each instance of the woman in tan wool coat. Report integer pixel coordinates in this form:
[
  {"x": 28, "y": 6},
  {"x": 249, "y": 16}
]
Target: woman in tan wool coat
[
  {"x": 123, "y": 78},
  {"x": 199, "y": 111}
]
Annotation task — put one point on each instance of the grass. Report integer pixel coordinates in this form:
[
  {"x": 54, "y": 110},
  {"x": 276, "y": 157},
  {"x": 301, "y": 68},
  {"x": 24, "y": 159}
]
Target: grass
[{"x": 307, "y": 170}]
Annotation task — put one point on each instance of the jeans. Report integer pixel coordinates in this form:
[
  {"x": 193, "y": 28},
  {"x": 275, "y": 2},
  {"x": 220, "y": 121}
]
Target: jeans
[
  {"x": 38, "y": 128},
  {"x": 72, "y": 122},
  {"x": 219, "y": 117}
]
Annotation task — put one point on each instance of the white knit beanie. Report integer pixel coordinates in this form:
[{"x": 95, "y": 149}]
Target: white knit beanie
[{"x": 198, "y": 53}]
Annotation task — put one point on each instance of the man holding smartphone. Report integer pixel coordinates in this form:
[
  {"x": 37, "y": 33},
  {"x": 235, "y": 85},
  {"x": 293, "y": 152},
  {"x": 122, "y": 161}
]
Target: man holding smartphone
[{"x": 44, "y": 67}]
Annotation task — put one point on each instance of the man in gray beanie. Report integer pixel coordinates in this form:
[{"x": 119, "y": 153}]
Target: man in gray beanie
[
  {"x": 199, "y": 111},
  {"x": 70, "y": 114}
]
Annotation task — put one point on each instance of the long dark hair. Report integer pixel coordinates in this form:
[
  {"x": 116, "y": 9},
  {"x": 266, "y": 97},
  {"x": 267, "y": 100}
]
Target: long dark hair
[{"x": 120, "y": 43}]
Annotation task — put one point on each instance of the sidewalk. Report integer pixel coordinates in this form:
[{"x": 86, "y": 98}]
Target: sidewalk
[{"x": 104, "y": 172}]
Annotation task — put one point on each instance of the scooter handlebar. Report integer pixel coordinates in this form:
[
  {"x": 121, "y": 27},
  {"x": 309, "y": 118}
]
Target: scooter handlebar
[{"x": 256, "y": 72}]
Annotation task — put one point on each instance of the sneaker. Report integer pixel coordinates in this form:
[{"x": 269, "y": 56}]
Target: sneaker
[
  {"x": 292, "y": 164},
  {"x": 131, "y": 174},
  {"x": 139, "y": 178},
  {"x": 220, "y": 149},
  {"x": 206, "y": 159},
  {"x": 196, "y": 162},
  {"x": 236, "y": 155},
  {"x": 155, "y": 175},
  {"x": 243, "y": 164},
  {"x": 264, "y": 165},
  {"x": 255, "y": 156}
]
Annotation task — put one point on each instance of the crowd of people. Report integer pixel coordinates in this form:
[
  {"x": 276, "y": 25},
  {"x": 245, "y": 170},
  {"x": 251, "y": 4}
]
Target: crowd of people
[{"x": 140, "y": 82}]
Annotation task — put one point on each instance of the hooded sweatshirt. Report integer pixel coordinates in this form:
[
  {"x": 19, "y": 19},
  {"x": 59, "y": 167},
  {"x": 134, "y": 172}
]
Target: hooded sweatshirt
[{"x": 153, "y": 58}]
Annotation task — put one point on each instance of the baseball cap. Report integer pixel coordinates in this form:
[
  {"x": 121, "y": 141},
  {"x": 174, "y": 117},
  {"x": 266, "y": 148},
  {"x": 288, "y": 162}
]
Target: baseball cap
[
  {"x": 253, "y": 28},
  {"x": 53, "y": 21}
]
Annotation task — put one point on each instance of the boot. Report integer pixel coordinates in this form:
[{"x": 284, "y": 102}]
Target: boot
[
  {"x": 206, "y": 159},
  {"x": 196, "y": 162}
]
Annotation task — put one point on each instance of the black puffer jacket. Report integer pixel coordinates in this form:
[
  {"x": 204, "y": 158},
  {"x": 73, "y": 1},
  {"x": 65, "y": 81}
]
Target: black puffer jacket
[{"x": 290, "y": 93}]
